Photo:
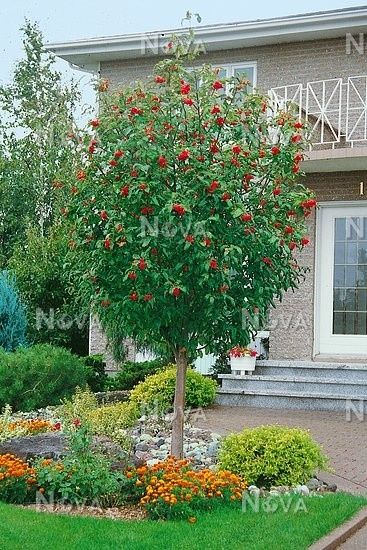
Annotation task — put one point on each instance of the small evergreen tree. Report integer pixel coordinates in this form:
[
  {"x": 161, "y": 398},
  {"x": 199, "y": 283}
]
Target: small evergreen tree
[{"x": 12, "y": 315}]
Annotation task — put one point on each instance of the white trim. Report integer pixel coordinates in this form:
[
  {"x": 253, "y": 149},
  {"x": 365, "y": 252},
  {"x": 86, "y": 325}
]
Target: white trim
[
  {"x": 328, "y": 24},
  {"x": 336, "y": 204}
]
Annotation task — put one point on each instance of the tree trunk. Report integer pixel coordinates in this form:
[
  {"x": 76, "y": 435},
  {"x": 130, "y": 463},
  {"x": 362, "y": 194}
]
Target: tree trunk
[{"x": 179, "y": 405}]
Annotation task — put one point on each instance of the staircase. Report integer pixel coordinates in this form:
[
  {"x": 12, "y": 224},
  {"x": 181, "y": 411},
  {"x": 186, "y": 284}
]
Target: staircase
[{"x": 298, "y": 385}]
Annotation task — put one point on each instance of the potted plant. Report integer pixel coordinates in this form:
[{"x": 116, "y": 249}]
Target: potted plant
[{"x": 242, "y": 360}]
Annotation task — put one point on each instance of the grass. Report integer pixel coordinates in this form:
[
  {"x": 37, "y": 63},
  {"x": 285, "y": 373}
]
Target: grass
[{"x": 224, "y": 528}]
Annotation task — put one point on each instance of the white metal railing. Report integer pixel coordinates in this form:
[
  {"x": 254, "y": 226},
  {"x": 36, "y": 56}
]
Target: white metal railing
[{"x": 335, "y": 110}]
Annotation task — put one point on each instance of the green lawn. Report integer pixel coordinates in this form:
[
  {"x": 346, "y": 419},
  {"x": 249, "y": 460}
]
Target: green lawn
[{"x": 225, "y": 528}]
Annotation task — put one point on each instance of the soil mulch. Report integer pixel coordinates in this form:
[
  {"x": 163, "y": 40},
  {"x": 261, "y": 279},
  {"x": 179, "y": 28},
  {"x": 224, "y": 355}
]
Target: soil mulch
[{"x": 128, "y": 512}]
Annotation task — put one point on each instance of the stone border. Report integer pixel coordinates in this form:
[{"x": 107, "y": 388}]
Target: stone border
[{"x": 341, "y": 534}]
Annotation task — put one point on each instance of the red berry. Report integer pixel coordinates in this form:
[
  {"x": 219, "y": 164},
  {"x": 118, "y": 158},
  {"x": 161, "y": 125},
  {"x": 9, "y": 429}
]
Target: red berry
[
  {"x": 185, "y": 88},
  {"x": 213, "y": 186},
  {"x": 162, "y": 161},
  {"x": 292, "y": 245},
  {"x": 178, "y": 209},
  {"x": 184, "y": 155},
  {"x": 217, "y": 85},
  {"x": 190, "y": 239}
]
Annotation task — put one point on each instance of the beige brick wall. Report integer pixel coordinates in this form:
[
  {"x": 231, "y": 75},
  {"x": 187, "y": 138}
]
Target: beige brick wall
[
  {"x": 98, "y": 344},
  {"x": 292, "y": 322},
  {"x": 277, "y": 65}
]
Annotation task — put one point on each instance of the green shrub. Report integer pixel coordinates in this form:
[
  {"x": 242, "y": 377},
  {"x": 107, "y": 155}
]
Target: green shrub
[
  {"x": 39, "y": 376},
  {"x": 108, "y": 420},
  {"x": 158, "y": 390},
  {"x": 97, "y": 377},
  {"x": 79, "y": 405},
  {"x": 83, "y": 477},
  {"x": 131, "y": 373},
  {"x": 272, "y": 455},
  {"x": 112, "y": 421}
]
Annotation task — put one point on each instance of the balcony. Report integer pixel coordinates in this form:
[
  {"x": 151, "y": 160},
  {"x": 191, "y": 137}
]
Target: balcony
[{"x": 336, "y": 114}]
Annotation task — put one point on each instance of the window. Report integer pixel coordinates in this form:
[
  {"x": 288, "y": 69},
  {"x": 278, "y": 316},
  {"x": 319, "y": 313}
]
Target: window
[{"x": 245, "y": 70}]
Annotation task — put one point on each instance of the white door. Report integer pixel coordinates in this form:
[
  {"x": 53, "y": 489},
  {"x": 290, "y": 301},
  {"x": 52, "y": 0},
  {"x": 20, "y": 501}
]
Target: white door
[{"x": 341, "y": 280}]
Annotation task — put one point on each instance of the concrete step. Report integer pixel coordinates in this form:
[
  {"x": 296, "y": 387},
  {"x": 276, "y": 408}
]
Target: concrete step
[
  {"x": 308, "y": 369},
  {"x": 305, "y": 385},
  {"x": 266, "y": 398}
]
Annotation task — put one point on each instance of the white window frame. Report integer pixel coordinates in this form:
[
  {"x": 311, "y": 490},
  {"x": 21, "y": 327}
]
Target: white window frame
[{"x": 231, "y": 67}]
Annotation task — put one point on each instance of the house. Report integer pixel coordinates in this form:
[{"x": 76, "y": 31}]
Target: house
[{"x": 318, "y": 61}]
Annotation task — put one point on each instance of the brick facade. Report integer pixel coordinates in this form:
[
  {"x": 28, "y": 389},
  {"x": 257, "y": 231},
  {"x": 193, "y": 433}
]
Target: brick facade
[
  {"x": 277, "y": 64},
  {"x": 292, "y": 322},
  {"x": 98, "y": 344}
]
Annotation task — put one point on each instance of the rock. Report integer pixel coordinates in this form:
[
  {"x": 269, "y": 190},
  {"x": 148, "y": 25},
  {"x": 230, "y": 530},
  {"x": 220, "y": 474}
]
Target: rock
[
  {"x": 142, "y": 456},
  {"x": 160, "y": 441},
  {"x": 141, "y": 447},
  {"x": 109, "y": 397},
  {"x": 302, "y": 490},
  {"x": 190, "y": 454},
  {"x": 314, "y": 484},
  {"x": 48, "y": 445},
  {"x": 109, "y": 448},
  {"x": 212, "y": 449},
  {"x": 327, "y": 488},
  {"x": 253, "y": 490},
  {"x": 145, "y": 437},
  {"x": 152, "y": 461}
]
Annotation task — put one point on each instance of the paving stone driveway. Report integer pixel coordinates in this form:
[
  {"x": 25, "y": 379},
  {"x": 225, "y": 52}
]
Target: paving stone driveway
[{"x": 345, "y": 442}]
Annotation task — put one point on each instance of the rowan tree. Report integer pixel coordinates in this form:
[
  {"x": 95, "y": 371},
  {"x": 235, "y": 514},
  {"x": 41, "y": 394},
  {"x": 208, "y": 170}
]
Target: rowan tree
[{"x": 187, "y": 210}]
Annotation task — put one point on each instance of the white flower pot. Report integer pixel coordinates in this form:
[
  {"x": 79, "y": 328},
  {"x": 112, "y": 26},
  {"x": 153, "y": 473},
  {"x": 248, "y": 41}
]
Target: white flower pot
[{"x": 241, "y": 365}]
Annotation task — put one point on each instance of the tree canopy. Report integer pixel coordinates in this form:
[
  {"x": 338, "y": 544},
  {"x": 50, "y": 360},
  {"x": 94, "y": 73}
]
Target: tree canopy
[{"x": 187, "y": 210}]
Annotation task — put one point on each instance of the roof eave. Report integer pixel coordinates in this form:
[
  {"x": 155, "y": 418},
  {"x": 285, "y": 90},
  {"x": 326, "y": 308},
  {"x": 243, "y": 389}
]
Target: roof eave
[{"x": 88, "y": 54}]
